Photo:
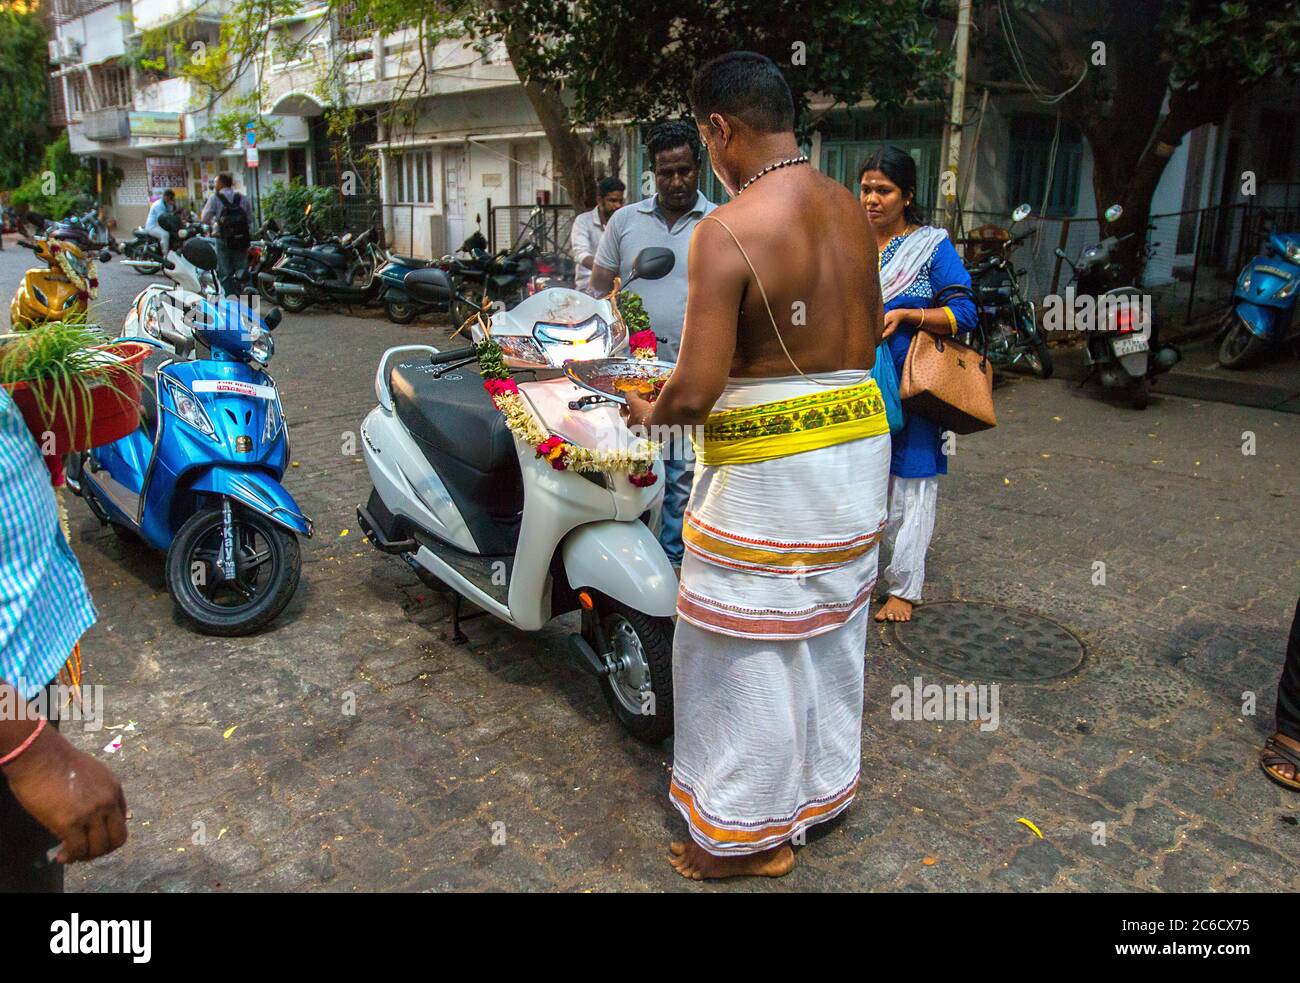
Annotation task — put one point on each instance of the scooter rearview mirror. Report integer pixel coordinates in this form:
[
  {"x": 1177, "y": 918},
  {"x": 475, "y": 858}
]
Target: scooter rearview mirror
[
  {"x": 1022, "y": 212},
  {"x": 105, "y": 256},
  {"x": 200, "y": 252},
  {"x": 1113, "y": 213},
  {"x": 652, "y": 263},
  {"x": 273, "y": 318}
]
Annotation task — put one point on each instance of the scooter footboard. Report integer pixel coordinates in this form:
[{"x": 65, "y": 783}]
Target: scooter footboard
[
  {"x": 624, "y": 561},
  {"x": 259, "y": 492}
]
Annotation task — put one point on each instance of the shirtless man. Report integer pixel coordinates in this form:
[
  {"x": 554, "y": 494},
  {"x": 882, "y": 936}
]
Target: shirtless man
[{"x": 765, "y": 749}]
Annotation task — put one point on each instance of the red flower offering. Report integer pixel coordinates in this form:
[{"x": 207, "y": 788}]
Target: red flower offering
[
  {"x": 496, "y": 387},
  {"x": 644, "y": 339},
  {"x": 643, "y": 480},
  {"x": 553, "y": 449}
]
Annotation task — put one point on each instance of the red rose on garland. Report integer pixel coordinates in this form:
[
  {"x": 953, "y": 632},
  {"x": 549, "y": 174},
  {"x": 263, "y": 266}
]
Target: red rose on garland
[
  {"x": 643, "y": 480},
  {"x": 496, "y": 387},
  {"x": 553, "y": 449},
  {"x": 644, "y": 340}
]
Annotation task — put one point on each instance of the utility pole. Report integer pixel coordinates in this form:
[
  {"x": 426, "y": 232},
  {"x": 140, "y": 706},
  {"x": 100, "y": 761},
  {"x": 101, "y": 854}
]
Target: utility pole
[{"x": 948, "y": 184}]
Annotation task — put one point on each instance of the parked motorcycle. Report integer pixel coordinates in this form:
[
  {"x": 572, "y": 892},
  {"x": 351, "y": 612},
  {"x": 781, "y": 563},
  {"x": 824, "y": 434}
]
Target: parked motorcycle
[
  {"x": 399, "y": 305},
  {"x": 200, "y": 478},
  {"x": 268, "y": 245},
  {"x": 1007, "y": 316},
  {"x": 1262, "y": 317},
  {"x": 473, "y": 510},
  {"x": 92, "y": 221},
  {"x": 501, "y": 279},
  {"x": 1122, "y": 346},
  {"x": 337, "y": 271},
  {"x": 60, "y": 290},
  {"x": 143, "y": 253}
]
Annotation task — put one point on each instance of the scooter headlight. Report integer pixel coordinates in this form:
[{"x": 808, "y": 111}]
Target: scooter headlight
[
  {"x": 1293, "y": 252},
  {"x": 188, "y": 408},
  {"x": 262, "y": 348},
  {"x": 1244, "y": 283},
  {"x": 1288, "y": 288}
]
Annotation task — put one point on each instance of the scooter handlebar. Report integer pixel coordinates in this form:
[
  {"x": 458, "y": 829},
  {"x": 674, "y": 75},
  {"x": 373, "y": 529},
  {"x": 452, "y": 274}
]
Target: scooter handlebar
[{"x": 452, "y": 355}]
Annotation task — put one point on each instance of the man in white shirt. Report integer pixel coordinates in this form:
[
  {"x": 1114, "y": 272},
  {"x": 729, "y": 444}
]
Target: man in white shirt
[
  {"x": 667, "y": 218},
  {"x": 590, "y": 226}
]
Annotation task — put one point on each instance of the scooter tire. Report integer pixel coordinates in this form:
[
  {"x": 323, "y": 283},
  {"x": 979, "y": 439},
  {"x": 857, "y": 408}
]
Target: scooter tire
[
  {"x": 1240, "y": 347},
  {"x": 209, "y": 618},
  {"x": 400, "y": 313},
  {"x": 654, "y": 723},
  {"x": 294, "y": 304}
]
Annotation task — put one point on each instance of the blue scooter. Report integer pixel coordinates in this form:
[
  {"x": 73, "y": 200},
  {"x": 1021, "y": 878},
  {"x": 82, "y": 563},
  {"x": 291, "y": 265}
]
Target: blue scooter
[
  {"x": 399, "y": 305},
  {"x": 1262, "y": 316},
  {"x": 200, "y": 477}
]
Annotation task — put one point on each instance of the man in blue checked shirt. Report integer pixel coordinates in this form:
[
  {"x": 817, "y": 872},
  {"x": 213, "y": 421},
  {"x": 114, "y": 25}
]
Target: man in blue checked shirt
[{"x": 51, "y": 795}]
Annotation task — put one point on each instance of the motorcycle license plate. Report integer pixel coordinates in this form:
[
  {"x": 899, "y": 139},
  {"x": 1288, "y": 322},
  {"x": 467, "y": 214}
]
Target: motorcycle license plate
[{"x": 1129, "y": 346}]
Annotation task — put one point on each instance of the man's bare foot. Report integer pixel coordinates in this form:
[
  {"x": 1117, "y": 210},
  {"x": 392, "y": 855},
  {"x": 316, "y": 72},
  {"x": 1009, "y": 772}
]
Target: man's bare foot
[
  {"x": 1279, "y": 760},
  {"x": 895, "y": 609},
  {"x": 697, "y": 864}
]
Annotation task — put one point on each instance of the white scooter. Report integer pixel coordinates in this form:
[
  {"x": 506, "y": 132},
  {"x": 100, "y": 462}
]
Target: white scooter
[
  {"x": 472, "y": 509},
  {"x": 162, "y": 311}
]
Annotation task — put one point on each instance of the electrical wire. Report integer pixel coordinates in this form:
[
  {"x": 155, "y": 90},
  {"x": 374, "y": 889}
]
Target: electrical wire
[{"x": 1021, "y": 64}]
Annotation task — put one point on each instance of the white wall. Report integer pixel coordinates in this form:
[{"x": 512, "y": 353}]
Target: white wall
[{"x": 102, "y": 33}]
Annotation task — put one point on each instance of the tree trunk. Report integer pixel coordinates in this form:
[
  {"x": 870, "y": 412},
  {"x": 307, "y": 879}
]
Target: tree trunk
[{"x": 571, "y": 153}]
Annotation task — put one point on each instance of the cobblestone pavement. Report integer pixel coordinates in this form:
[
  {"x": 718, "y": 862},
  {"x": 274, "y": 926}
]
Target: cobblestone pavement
[{"x": 246, "y": 741}]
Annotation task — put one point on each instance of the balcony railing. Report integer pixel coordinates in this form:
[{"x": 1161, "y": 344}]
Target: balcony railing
[{"x": 66, "y": 10}]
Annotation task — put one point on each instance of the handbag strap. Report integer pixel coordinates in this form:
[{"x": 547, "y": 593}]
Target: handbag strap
[
  {"x": 957, "y": 290},
  {"x": 758, "y": 280}
]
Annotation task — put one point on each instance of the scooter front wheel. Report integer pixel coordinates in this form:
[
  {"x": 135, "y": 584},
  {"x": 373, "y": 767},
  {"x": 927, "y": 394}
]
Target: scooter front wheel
[
  {"x": 1240, "y": 347},
  {"x": 267, "y": 566},
  {"x": 639, "y": 684}
]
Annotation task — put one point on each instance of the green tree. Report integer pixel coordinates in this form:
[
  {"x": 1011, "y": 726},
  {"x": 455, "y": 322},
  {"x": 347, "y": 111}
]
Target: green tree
[
  {"x": 584, "y": 63},
  {"x": 24, "y": 124},
  {"x": 1136, "y": 76}
]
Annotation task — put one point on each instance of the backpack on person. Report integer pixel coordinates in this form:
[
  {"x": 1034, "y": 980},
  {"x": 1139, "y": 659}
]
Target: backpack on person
[{"x": 232, "y": 222}]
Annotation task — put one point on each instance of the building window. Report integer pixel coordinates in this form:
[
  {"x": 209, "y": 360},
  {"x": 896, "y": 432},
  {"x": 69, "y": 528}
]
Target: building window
[
  {"x": 112, "y": 86},
  {"x": 1031, "y": 150},
  {"x": 412, "y": 178},
  {"x": 850, "y": 137}
]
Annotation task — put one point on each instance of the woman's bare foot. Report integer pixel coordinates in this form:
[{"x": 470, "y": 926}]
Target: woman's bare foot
[
  {"x": 1277, "y": 765},
  {"x": 895, "y": 609},
  {"x": 697, "y": 864}
]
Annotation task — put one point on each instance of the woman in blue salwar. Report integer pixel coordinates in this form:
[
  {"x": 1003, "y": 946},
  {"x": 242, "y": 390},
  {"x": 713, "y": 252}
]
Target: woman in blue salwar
[{"x": 917, "y": 262}]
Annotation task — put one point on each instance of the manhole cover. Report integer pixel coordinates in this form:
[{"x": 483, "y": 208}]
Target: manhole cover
[{"x": 988, "y": 641}]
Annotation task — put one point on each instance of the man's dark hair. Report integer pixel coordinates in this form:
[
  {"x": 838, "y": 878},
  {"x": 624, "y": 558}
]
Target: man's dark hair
[
  {"x": 225, "y": 181},
  {"x": 670, "y": 135},
  {"x": 169, "y": 194},
  {"x": 608, "y": 185},
  {"x": 747, "y": 86}
]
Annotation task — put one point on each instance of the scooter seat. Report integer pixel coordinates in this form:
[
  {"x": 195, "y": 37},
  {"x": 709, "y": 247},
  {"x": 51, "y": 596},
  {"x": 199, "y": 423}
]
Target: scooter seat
[
  {"x": 465, "y": 439},
  {"x": 412, "y": 262},
  {"x": 329, "y": 257}
]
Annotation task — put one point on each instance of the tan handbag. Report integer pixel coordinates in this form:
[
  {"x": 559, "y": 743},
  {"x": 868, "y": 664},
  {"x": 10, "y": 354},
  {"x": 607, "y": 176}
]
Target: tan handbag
[{"x": 948, "y": 382}]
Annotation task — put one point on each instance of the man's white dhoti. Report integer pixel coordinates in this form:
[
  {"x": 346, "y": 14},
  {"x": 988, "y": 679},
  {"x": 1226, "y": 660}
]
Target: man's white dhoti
[{"x": 781, "y": 536}]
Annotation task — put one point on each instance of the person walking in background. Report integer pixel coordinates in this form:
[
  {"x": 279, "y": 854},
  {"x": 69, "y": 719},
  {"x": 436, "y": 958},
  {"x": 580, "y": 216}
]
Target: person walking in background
[
  {"x": 667, "y": 218},
  {"x": 231, "y": 216},
  {"x": 51, "y": 795},
  {"x": 590, "y": 226},
  {"x": 917, "y": 263}
]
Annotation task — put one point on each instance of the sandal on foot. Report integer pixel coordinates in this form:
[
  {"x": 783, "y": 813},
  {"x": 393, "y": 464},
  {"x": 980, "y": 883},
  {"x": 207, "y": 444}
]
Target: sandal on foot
[{"x": 1276, "y": 753}]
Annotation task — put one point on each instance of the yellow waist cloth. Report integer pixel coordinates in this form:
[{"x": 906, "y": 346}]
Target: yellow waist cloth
[{"x": 748, "y": 434}]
